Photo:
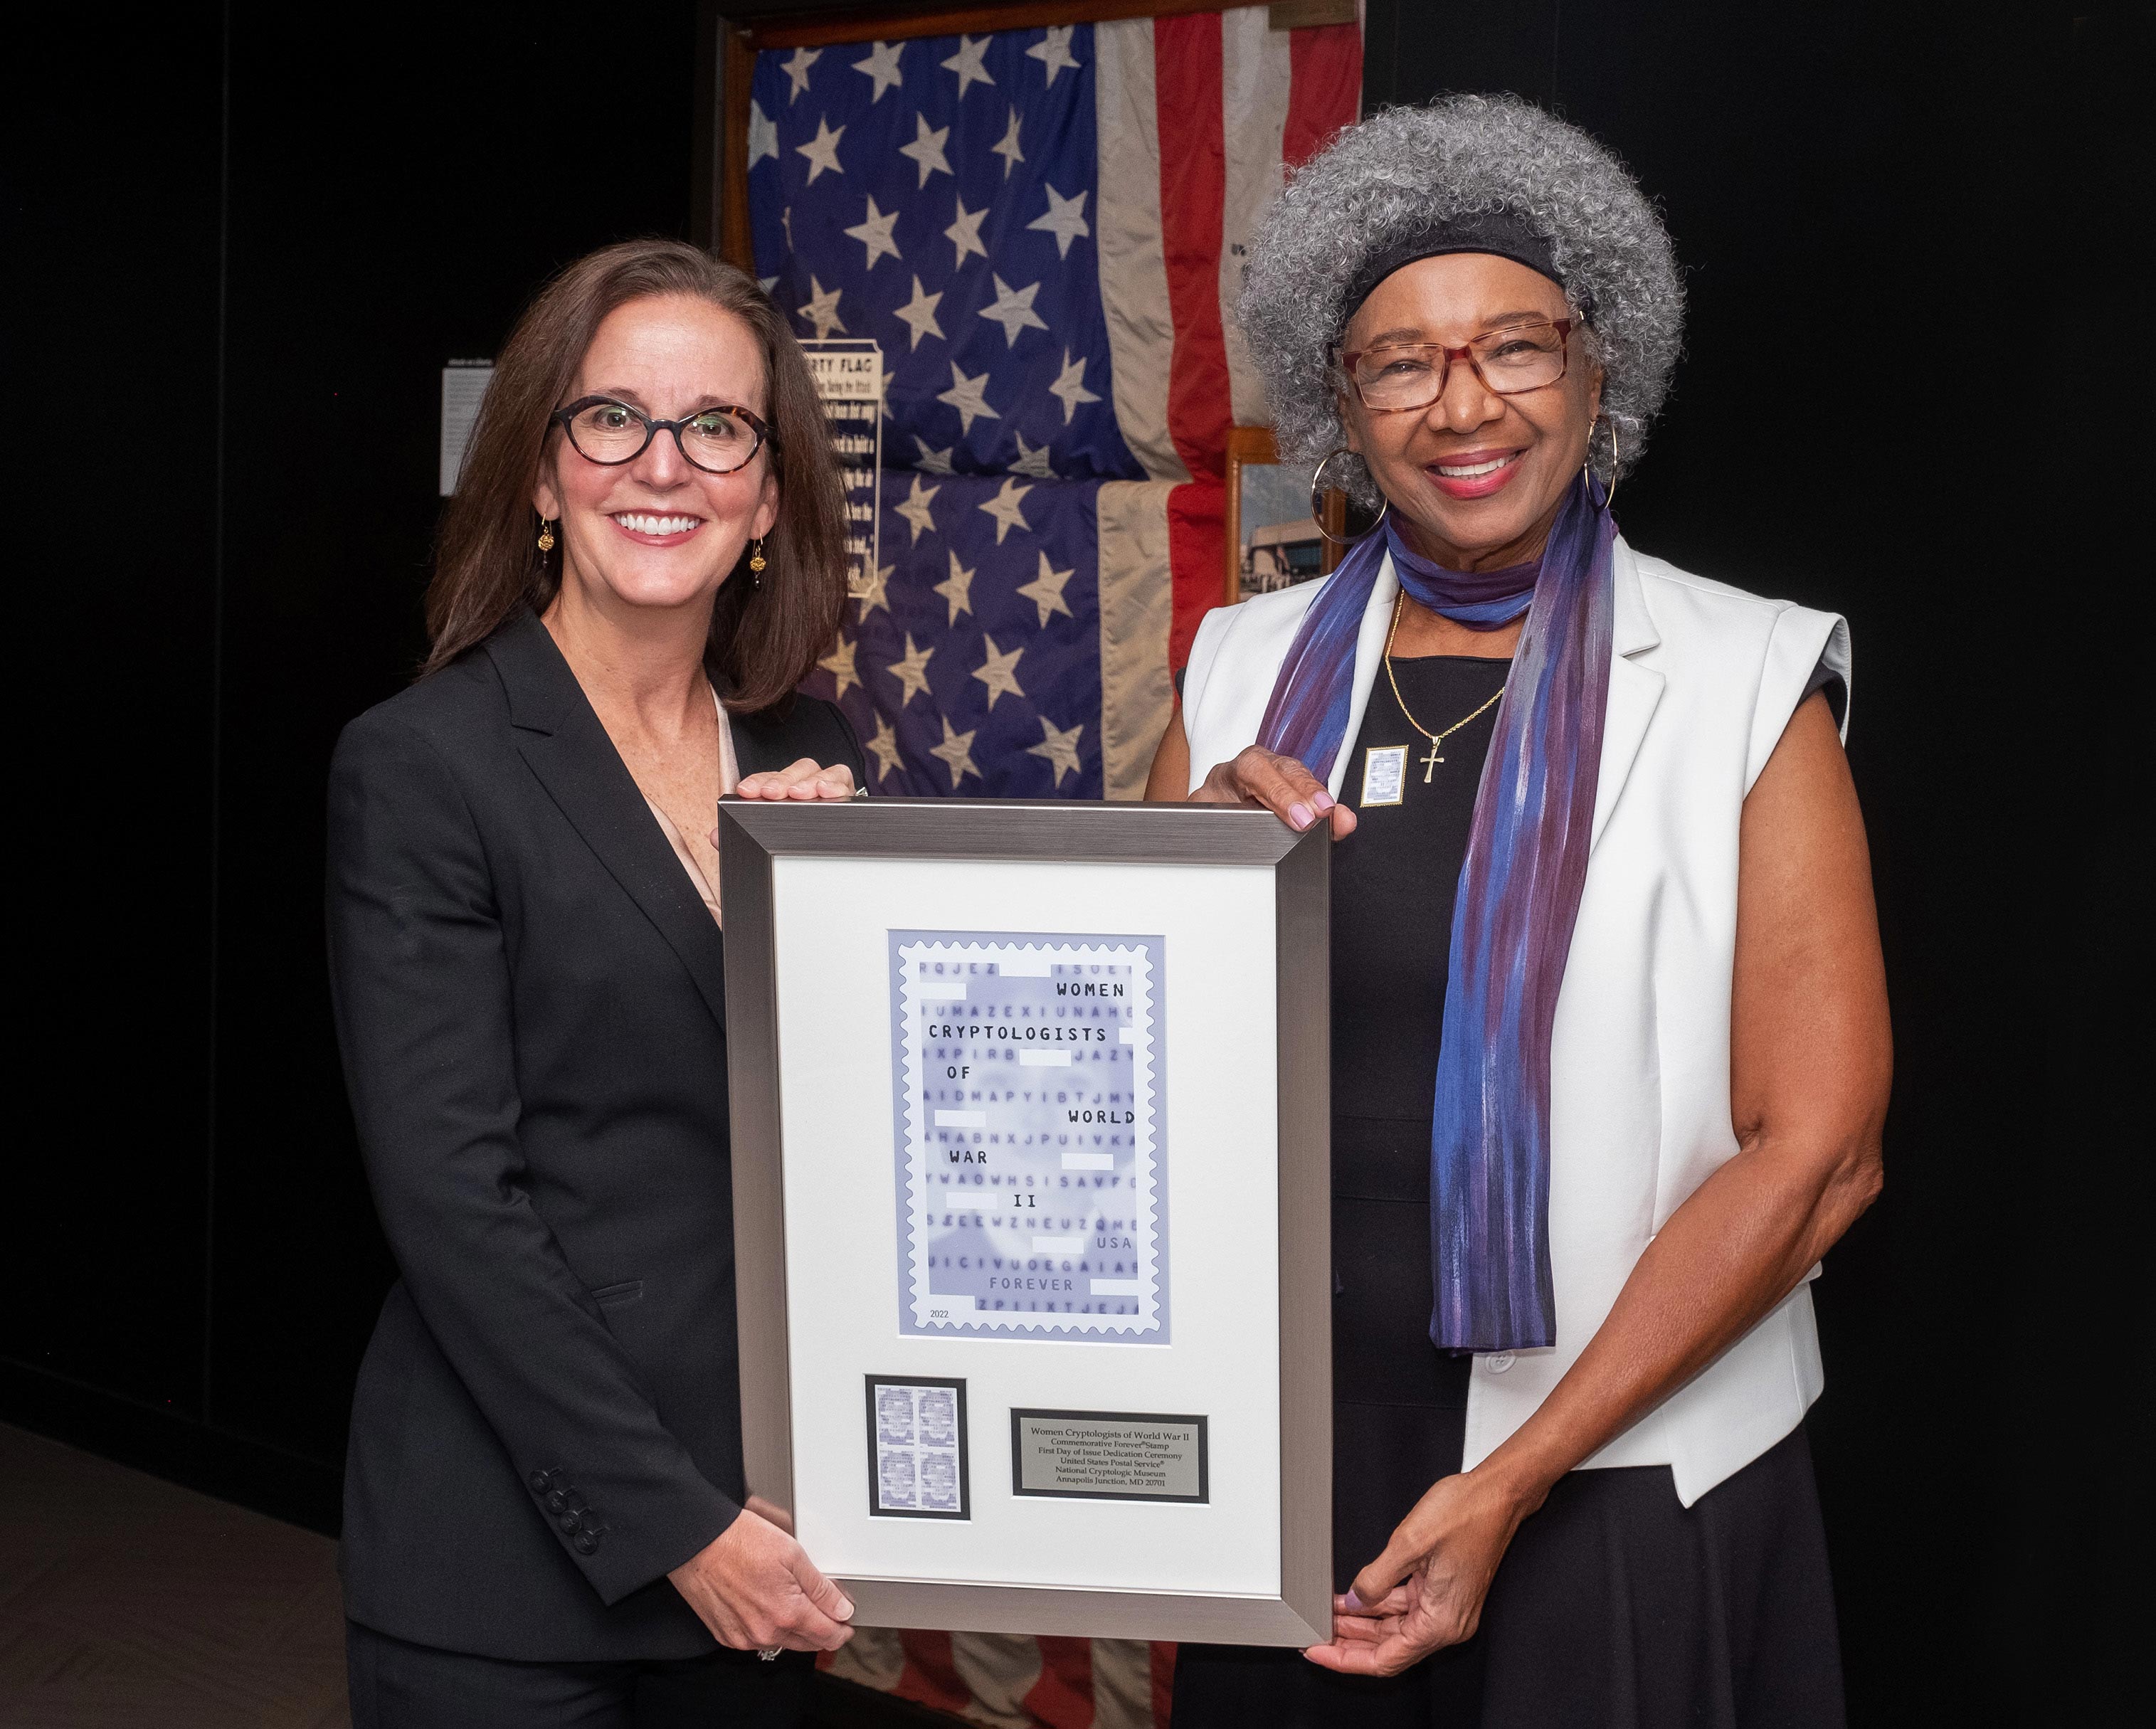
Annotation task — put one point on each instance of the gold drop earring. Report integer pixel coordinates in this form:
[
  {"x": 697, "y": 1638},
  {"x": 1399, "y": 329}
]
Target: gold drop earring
[
  {"x": 546, "y": 535},
  {"x": 756, "y": 564}
]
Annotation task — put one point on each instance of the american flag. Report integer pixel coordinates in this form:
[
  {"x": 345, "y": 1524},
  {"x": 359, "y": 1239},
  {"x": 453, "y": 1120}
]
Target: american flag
[{"x": 1041, "y": 230}]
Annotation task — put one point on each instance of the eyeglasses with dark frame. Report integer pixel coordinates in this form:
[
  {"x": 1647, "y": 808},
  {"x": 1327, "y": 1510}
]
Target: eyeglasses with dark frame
[
  {"x": 718, "y": 439},
  {"x": 1397, "y": 377}
]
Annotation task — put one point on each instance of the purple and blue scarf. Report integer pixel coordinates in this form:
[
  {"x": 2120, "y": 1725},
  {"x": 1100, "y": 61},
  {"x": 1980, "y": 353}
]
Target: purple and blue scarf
[{"x": 1518, "y": 897}]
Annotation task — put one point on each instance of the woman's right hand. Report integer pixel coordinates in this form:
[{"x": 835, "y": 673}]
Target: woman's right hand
[
  {"x": 1279, "y": 784},
  {"x": 755, "y": 1587}
]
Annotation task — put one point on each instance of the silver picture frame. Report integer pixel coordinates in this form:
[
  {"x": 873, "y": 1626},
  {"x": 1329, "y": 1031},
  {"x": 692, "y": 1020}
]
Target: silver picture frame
[{"x": 753, "y": 835}]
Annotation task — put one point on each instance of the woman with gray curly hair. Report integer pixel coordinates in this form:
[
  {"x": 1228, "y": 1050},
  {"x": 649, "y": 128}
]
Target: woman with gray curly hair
[{"x": 1610, "y": 1044}]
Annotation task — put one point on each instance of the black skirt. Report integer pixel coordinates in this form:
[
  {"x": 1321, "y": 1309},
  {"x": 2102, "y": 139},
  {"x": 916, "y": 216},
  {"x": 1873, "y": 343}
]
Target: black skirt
[{"x": 1615, "y": 1606}]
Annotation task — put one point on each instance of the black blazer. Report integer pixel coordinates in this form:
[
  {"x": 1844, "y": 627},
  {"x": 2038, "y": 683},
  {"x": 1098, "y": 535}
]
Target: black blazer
[{"x": 530, "y": 999}]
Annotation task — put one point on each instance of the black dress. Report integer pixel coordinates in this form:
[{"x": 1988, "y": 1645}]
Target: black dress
[{"x": 1614, "y": 1604}]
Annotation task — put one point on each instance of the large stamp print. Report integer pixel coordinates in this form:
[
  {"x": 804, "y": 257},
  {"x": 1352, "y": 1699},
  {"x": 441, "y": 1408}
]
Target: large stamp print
[{"x": 1029, "y": 1073}]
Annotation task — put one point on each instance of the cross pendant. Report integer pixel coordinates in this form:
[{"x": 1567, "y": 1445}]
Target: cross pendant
[{"x": 1429, "y": 762}]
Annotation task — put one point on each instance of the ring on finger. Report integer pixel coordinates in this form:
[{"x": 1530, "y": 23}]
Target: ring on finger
[{"x": 770, "y": 1653}]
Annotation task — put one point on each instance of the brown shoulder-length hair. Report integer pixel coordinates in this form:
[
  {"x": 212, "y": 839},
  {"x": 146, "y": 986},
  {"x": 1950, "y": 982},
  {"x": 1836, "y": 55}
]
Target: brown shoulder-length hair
[{"x": 488, "y": 565}]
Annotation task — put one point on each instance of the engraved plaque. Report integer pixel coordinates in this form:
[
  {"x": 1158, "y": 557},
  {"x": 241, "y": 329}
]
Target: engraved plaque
[{"x": 1108, "y": 1455}]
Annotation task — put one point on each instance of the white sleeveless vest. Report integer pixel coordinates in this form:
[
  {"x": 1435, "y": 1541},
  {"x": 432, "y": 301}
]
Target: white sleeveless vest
[{"x": 1703, "y": 680}]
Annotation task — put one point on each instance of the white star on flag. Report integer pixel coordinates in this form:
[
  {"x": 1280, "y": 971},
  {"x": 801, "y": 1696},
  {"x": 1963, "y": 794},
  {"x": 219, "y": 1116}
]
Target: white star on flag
[
  {"x": 1008, "y": 148},
  {"x": 762, "y": 135},
  {"x": 1004, "y": 507},
  {"x": 999, "y": 671},
  {"x": 839, "y": 662},
  {"x": 1072, "y": 386},
  {"x": 822, "y": 152},
  {"x": 883, "y": 747},
  {"x": 1032, "y": 459},
  {"x": 918, "y": 315},
  {"x": 1013, "y": 310},
  {"x": 935, "y": 461},
  {"x": 958, "y": 589},
  {"x": 882, "y": 66},
  {"x": 915, "y": 509},
  {"x": 822, "y": 309},
  {"x": 912, "y": 672},
  {"x": 873, "y": 231},
  {"x": 1045, "y": 590},
  {"x": 1060, "y": 747},
  {"x": 966, "y": 63},
  {"x": 927, "y": 149},
  {"x": 1053, "y": 50},
  {"x": 965, "y": 396},
  {"x": 1065, "y": 219},
  {"x": 957, "y": 752},
  {"x": 965, "y": 232},
  {"x": 797, "y": 70},
  {"x": 872, "y": 595}
]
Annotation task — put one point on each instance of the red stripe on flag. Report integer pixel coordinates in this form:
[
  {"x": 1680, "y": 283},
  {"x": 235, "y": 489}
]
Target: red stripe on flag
[
  {"x": 930, "y": 1677},
  {"x": 1197, "y": 556},
  {"x": 1063, "y": 1697},
  {"x": 1325, "y": 88},
  {"x": 1164, "y": 1683},
  {"x": 1193, "y": 179}
]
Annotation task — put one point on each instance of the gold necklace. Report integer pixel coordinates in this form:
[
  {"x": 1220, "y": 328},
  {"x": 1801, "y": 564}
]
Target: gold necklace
[{"x": 1429, "y": 762}]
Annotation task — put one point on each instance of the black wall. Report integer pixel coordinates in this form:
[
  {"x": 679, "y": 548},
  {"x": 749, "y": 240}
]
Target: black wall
[
  {"x": 248, "y": 247},
  {"x": 243, "y": 249}
]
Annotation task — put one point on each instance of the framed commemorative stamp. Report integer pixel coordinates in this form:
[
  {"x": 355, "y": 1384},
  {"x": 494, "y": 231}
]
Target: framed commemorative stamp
[
  {"x": 1032, "y": 1209},
  {"x": 1020, "y": 1060}
]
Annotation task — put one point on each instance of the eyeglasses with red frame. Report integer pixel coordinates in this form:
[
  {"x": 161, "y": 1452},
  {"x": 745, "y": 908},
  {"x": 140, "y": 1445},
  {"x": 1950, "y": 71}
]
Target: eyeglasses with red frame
[{"x": 1396, "y": 377}]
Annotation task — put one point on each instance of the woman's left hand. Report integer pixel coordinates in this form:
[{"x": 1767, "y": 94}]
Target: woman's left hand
[
  {"x": 805, "y": 779},
  {"x": 1426, "y": 1590}
]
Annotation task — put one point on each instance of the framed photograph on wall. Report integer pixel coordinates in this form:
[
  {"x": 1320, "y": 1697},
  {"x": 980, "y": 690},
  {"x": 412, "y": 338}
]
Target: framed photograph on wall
[
  {"x": 1273, "y": 540},
  {"x": 1032, "y": 1209}
]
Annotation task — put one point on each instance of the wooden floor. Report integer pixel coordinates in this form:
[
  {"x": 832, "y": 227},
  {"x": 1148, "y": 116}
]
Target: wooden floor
[{"x": 128, "y": 1603}]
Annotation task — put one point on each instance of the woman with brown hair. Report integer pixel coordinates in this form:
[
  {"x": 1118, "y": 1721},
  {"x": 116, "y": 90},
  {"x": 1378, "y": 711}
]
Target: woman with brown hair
[{"x": 545, "y": 1516}]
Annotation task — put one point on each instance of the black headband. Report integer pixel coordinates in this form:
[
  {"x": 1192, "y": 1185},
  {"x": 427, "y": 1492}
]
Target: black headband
[{"x": 1501, "y": 233}]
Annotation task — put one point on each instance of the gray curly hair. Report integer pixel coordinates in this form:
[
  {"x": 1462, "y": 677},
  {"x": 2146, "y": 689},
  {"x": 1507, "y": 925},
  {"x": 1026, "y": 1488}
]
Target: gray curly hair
[{"x": 1407, "y": 170}]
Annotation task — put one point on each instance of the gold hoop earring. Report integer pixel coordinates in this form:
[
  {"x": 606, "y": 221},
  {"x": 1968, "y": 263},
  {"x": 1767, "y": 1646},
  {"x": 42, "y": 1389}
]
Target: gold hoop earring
[
  {"x": 756, "y": 564},
  {"x": 1587, "y": 468},
  {"x": 1318, "y": 488},
  {"x": 546, "y": 535}
]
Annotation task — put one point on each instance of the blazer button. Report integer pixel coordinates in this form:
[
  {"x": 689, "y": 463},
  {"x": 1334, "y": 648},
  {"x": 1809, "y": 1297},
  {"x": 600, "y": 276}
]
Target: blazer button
[
  {"x": 585, "y": 1542},
  {"x": 536, "y": 1482},
  {"x": 571, "y": 1520},
  {"x": 1499, "y": 1361},
  {"x": 556, "y": 1500}
]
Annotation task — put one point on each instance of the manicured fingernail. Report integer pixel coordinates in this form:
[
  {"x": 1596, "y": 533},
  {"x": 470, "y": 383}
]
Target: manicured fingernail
[
  {"x": 1298, "y": 816},
  {"x": 1322, "y": 802},
  {"x": 845, "y": 1608},
  {"x": 1354, "y": 1603}
]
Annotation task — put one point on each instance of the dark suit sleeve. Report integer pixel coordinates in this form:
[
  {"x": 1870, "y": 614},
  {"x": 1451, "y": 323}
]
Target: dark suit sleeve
[
  {"x": 420, "y": 977},
  {"x": 843, "y": 746}
]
